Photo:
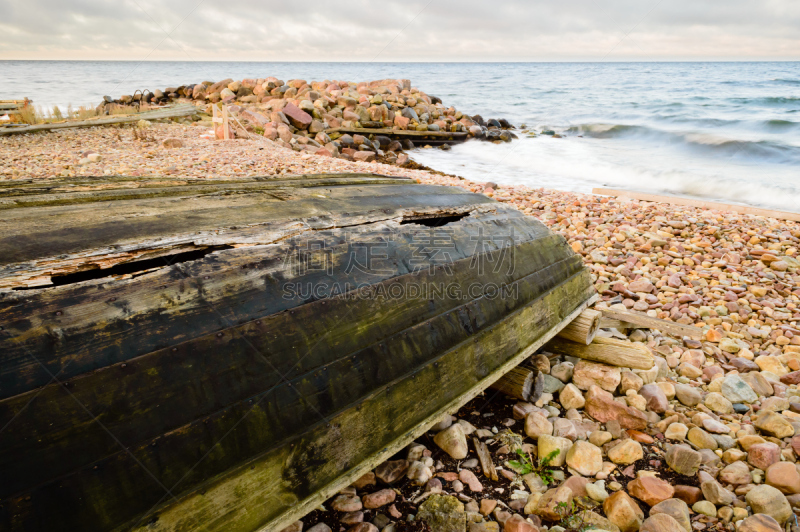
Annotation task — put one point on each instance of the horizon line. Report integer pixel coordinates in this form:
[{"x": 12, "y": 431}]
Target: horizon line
[{"x": 411, "y": 61}]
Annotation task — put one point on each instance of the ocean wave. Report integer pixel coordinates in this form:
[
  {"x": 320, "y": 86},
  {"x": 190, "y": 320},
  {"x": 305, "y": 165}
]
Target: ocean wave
[
  {"x": 578, "y": 166},
  {"x": 768, "y": 100},
  {"x": 769, "y": 126},
  {"x": 705, "y": 143},
  {"x": 787, "y": 81}
]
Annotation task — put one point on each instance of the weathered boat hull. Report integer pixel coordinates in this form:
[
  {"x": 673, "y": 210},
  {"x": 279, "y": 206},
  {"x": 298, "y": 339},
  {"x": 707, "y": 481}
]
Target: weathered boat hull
[{"x": 230, "y": 375}]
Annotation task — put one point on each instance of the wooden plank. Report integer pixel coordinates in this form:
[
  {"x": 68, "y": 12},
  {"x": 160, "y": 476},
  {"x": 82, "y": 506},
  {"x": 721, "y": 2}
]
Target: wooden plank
[
  {"x": 174, "y": 112},
  {"x": 517, "y": 383},
  {"x": 606, "y": 350},
  {"x": 609, "y": 323},
  {"x": 645, "y": 321},
  {"x": 400, "y": 133},
  {"x": 584, "y": 328},
  {"x": 700, "y": 204}
]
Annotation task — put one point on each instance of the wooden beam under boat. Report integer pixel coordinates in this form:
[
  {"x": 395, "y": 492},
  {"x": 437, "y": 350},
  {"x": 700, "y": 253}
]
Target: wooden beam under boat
[{"x": 418, "y": 137}]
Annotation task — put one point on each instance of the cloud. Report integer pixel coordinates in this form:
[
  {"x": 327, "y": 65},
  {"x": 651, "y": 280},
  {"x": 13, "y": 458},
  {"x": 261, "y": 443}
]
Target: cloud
[{"x": 391, "y": 30}]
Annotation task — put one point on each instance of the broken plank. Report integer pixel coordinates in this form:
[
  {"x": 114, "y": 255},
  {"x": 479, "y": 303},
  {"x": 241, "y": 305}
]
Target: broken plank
[
  {"x": 608, "y": 323},
  {"x": 485, "y": 458},
  {"x": 645, "y": 321},
  {"x": 427, "y": 137},
  {"x": 517, "y": 383},
  {"x": 607, "y": 351},
  {"x": 583, "y": 328},
  {"x": 174, "y": 112}
]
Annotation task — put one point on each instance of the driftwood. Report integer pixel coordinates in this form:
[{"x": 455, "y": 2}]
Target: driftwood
[
  {"x": 606, "y": 350},
  {"x": 583, "y": 328},
  {"x": 485, "y": 458},
  {"x": 171, "y": 112},
  {"x": 517, "y": 383},
  {"x": 636, "y": 320}
]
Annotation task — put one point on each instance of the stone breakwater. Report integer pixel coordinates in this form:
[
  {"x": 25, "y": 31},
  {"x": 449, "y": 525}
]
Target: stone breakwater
[
  {"x": 708, "y": 439},
  {"x": 305, "y": 115}
]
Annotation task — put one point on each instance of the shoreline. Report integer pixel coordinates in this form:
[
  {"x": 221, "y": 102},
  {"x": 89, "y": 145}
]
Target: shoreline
[{"x": 736, "y": 276}]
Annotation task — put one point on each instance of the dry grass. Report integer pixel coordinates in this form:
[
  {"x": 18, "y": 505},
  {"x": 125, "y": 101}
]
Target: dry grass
[{"x": 38, "y": 115}]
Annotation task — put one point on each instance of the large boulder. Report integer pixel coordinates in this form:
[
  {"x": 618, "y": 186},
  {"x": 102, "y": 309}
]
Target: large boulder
[{"x": 299, "y": 118}]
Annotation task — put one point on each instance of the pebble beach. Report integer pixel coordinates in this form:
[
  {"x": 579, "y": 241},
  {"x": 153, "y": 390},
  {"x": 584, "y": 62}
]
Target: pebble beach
[{"x": 706, "y": 440}]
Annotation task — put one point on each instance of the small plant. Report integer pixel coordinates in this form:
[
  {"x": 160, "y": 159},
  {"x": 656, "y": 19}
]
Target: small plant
[
  {"x": 571, "y": 520},
  {"x": 544, "y": 471},
  {"x": 524, "y": 465}
]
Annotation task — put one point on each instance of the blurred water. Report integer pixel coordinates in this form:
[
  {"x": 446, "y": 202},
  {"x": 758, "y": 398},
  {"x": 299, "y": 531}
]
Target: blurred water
[{"x": 727, "y": 131}]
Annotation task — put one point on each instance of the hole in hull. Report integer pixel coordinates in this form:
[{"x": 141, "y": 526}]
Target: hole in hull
[
  {"x": 435, "y": 221},
  {"x": 129, "y": 268}
]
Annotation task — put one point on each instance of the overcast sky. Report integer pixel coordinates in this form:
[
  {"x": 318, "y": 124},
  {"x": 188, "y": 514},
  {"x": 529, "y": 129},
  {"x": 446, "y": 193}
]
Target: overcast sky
[{"x": 400, "y": 30}]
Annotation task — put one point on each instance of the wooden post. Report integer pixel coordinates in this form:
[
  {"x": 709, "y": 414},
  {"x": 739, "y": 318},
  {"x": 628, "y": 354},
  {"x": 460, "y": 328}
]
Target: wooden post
[
  {"x": 583, "y": 328},
  {"x": 225, "y": 126},
  {"x": 645, "y": 321},
  {"x": 517, "y": 383},
  {"x": 606, "y": 350}
]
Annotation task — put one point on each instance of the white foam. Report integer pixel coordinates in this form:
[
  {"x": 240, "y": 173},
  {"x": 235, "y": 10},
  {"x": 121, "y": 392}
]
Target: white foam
[{"x": 580, "y": 164}]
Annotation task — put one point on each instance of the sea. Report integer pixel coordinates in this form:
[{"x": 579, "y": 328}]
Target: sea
[{"x": 725, "y": 131}]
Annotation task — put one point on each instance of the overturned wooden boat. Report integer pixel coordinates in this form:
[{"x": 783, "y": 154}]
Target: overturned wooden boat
[{"x": 184, "y": 354}]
